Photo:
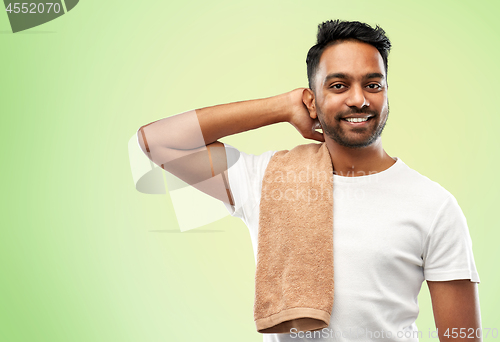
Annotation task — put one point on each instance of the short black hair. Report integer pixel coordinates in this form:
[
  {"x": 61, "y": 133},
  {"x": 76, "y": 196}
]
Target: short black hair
[{"x": 333, "y": 31}]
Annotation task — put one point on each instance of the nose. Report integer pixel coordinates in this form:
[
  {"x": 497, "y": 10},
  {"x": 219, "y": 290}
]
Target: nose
[{"x": 356, "y": 97}]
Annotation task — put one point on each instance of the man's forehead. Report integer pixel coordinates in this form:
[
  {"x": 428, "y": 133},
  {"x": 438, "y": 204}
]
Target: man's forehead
[
  {"x": 350, "y": 60},
  {"x": 343, "y": 52}
]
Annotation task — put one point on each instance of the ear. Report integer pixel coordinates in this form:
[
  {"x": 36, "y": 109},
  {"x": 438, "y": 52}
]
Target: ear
[{"x": 308, "y": 99}]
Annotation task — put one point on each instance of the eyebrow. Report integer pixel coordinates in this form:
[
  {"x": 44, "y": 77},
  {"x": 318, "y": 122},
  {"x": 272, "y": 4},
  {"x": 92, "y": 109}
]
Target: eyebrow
[{"x": 346, "y": 76}]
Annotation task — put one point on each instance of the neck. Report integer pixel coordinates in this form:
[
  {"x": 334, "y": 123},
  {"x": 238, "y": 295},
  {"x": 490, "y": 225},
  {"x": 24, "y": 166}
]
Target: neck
[{"x": 354, "y": 162}]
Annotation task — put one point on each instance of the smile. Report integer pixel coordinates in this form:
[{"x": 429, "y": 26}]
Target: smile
[{"x": 357, "y": 122}]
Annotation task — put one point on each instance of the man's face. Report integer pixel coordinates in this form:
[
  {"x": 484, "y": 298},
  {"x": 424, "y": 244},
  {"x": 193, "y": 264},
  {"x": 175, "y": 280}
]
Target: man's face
[{"x": 351, "y": 82}]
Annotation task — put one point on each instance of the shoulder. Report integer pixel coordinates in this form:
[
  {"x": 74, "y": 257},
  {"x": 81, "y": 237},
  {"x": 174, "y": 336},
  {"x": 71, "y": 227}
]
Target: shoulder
[
  {"x": 252, "y": 163},
  {"x": 299, "y": 151},
  {"x": 421, "y": 187}
]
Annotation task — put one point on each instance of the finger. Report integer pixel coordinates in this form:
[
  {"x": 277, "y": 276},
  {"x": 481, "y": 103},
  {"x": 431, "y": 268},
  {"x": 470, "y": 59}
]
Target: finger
[
  {"x": 316, "y": 124},
  {"x": 317, "y": 128}
]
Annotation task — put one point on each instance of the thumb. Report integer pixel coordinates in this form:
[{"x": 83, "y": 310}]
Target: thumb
[{"x": 318, "y": 136}]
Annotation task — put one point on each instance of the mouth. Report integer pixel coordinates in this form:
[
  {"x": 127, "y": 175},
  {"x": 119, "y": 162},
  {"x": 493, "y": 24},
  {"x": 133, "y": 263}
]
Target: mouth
[{"x": 357, "y": 122}]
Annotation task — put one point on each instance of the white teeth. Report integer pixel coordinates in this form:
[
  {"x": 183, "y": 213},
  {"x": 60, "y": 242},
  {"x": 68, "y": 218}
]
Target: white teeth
[{"x": 356, "y": 119}]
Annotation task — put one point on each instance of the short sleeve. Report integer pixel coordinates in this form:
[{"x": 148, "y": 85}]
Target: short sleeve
[
  {"x": 245, "y": 173},
  {"x": 447, "y": 251}
]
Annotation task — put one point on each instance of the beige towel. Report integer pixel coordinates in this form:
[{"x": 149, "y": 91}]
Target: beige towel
[{"x": 294, "y": 273}]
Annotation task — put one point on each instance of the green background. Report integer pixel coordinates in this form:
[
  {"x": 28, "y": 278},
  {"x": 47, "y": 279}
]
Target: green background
[{"x": 86, "y": 257}]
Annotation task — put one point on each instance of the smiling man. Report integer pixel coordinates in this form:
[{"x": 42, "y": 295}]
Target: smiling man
[
  {"x": 348, "y": 94},
  {"x": 392, "y": 229}
]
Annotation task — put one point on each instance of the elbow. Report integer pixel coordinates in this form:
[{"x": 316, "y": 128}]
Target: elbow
[{"x": 141, "y": 139}]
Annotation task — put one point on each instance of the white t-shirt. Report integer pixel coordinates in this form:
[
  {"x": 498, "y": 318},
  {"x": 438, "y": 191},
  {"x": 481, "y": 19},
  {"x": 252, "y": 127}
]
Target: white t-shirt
[{"x": 391, "y": 231}]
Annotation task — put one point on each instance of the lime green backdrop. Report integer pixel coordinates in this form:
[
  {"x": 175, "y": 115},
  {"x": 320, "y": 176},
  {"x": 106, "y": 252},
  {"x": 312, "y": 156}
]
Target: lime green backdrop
[{"x": 86, "y": 257}]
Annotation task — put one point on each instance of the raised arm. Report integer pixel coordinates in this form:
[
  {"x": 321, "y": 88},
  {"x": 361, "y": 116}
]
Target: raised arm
[
  {"x": 187, "y": 145},
  {"x": 455, "y": 305}
]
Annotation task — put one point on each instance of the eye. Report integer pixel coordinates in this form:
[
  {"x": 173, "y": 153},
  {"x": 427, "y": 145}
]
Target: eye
[
  {"x": 337, "y": 86},
  {"x": 374, "y": 86}
]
